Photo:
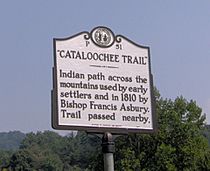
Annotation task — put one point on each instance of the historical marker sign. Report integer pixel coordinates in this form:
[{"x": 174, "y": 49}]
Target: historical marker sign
[{"x": 102, "y": 82}]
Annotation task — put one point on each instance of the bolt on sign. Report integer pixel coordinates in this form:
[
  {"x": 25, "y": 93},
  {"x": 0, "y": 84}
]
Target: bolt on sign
[{"x": 102, "y": 82}]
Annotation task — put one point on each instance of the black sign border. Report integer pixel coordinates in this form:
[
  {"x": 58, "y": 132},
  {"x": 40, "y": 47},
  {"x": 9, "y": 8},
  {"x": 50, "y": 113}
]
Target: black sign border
[{"x": 54, "y": 100}]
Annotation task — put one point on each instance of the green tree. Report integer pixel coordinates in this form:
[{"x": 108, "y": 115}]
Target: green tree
[
  {"x": 11, "y": 140},
  {"x": 35, "y": 158},
  {"x": 206, "y": 133},
  {"x": 38, "y": 152},
  {"x": 178, "y": 145},
  {"x": 49, "y": 151},
  {"x": 5, "y": 158},
  {"x": 82, "y": 151}
]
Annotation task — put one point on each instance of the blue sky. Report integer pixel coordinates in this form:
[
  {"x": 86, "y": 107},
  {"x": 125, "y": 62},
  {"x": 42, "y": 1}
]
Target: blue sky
[{"x": 177, "y": 32}]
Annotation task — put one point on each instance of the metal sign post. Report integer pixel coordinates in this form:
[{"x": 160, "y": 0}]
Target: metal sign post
[{"x": 108, "y": 148}]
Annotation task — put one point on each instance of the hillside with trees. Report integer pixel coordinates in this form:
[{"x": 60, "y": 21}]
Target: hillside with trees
[
  {"x": 180, "y": 144},
  {"x": 11, "y": 140}
]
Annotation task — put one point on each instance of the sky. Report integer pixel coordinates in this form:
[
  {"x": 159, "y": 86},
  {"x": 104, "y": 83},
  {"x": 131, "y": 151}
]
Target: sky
[{"x": 177, "y": 32}]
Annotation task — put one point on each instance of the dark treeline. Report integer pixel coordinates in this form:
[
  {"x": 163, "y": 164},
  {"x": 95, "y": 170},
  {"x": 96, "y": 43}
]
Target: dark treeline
[
  {"x": 181, "y": 144},
  {"x": 11, "y": 140},
  {"x": 50, "y": 151}
]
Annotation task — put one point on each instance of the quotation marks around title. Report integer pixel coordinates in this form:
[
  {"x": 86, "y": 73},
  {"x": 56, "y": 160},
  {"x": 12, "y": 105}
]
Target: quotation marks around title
[{"x": 100, "y": 86}]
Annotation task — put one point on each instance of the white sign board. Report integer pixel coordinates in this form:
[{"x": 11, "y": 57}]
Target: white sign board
[{"x": 102, "y": 82}]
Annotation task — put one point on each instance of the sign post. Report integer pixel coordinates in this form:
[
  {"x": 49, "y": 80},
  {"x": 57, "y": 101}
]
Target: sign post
[
  {"x": 102, "y": 82},
  {"x": 108, "y": 149}
]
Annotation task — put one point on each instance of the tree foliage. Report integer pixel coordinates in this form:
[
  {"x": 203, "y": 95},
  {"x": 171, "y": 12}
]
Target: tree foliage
[
  {"x": 206, "y": 133},
  {"x": 11, "y": 140},
  {"x": 49, "y": 151},
  {"x": 178, "y": 144}
]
